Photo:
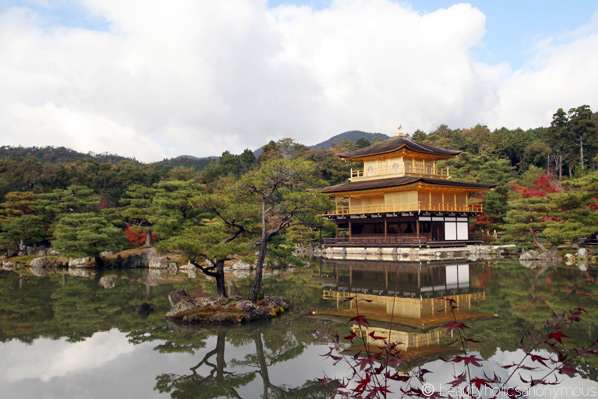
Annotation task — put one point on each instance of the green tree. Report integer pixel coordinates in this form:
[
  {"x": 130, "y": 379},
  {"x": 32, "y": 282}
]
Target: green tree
[
  {"x": 19, "y": 226},
  {"x": 216, "y": 239},
  {"x": 229, "y": 165},
  {"x": 419, "y": 135},
  {"x": 582, "y": 132},
  {"x": 51, "y": 206},
  {"x": 330, "y": 167},
  {"x": 182, "y": 173},
  {"x": 577, "y": 210},
  {"x": 280, "y": 188},
  {"x": 172, "y": 209},
  {"x": 137, "y": 211},
  {"x": 269, "y": 152},
  {"x": 476, "y": 140},
  {"x": 537, "y": 153},
  {"x": 70, "y": 200},
  {"x": 248, "y": 160},
  {"x": 531, "y": 210},
  {"x": 445, "y": 137},
  {"x": 487, "y": 170},
  {"x": 556, "y": 139},
  {"x": 362, "y": 143},
  {"x": 86, "y": 234}
]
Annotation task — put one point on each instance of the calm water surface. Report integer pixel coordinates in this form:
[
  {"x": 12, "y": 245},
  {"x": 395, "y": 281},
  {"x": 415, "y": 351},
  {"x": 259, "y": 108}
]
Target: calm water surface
[{"x": 78, "y": 335}]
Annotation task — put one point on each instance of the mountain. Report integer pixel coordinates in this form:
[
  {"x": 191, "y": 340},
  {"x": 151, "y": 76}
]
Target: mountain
[
  {"x": 51, "y": 154},
  {"x": 55, "y": 154},
  {"x": 352, "y": 135},
  {"x": 62, "y": 154}
]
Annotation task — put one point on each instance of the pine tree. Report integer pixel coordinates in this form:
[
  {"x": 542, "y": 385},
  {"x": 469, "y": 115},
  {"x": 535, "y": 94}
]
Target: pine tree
[
  {"x": 217, "y": 239},
  {"x": 86, "y": 234},
  {"x": 137, "y": 211},
  {"x": 279, "y": 187},
  {"x": 19, "y": 226}
]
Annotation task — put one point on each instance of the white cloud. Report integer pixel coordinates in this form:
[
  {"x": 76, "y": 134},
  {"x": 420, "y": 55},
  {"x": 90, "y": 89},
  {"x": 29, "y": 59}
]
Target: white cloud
[
  {"x": 58, "y": 358},
  {"x": 561, "y": 74},
  {"x": 49, "y": 124},
  {"x": 189, "y": 77}
]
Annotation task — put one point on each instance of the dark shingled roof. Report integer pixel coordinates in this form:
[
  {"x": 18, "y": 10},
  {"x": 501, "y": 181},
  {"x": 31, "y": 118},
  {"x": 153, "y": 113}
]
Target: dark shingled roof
[
  {"x": 397, "y": 182},
  {"x": 395, "y": 143}
]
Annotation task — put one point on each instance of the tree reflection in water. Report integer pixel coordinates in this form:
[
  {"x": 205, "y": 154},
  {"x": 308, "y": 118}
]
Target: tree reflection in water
[{"x": 214, "y": 377}]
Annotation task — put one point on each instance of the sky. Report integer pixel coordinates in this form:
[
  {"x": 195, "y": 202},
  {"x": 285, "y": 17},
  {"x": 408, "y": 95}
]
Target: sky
[{"x": 153, "y": 79}]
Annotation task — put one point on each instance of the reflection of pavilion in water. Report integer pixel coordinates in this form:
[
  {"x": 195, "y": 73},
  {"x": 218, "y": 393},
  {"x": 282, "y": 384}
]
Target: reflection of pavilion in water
[{"x": 411, "y": 296}]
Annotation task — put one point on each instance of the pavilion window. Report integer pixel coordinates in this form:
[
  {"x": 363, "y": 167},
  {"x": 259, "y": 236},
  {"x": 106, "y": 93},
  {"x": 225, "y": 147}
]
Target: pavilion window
[{"x": 425, "y": 227}]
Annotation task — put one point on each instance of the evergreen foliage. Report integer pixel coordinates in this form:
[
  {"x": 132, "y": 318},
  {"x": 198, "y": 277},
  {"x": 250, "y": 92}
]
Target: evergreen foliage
[
  {"x": 213, "y": 209},
  {"x": 86, "y": 234}
]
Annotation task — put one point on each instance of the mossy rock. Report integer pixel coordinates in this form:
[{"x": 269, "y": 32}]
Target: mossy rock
[{"x": 226, "y": 311}]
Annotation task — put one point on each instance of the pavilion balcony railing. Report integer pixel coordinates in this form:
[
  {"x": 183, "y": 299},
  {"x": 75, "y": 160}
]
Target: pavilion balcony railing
[
  {"x": 387, "y": 171},
  {"x": 406, "y": 207},
  {"x": 379, "y": 239}
]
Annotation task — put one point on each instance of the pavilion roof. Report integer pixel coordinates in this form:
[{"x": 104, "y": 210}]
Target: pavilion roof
[
  {"x": 398, "y": 182},
  {"x": 396, "y": 143}
]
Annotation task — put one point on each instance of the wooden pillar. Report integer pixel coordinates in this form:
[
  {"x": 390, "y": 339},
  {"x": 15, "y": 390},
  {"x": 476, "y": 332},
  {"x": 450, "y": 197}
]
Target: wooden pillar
[
  {"x": 385, "y": 227},
  {"x": 350, "y": 228},
  {"x": 468, "y": 229},
  {"x": 417, "y": 226}
]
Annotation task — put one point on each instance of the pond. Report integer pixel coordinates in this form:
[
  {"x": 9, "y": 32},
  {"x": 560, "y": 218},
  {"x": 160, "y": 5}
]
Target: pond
[{"x": 78, "y": 334}]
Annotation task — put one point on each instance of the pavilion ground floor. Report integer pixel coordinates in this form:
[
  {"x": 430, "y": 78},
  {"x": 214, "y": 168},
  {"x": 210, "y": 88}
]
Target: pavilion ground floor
[{"x": 405, "y": 229}]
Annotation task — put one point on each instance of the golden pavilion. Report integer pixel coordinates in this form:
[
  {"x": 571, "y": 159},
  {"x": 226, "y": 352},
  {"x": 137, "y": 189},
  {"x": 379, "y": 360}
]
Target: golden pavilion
[{"x": 401, "y": 197}]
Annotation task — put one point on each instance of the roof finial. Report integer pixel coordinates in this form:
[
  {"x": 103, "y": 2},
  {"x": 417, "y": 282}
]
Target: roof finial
[{"x": 399, "y": 131}]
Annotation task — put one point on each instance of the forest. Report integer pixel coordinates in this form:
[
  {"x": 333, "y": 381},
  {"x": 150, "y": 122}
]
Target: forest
[{"x": 546, "y": 194}]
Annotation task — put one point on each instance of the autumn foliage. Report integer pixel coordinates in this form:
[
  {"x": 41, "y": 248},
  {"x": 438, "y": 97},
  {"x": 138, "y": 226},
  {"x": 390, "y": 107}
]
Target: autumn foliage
[
  {"x": 137, "y": 238},
  {"x": 381, "y": 371}
]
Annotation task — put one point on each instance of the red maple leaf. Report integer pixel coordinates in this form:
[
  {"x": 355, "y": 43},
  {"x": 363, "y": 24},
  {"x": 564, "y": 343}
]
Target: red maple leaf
[
  {"x": 362, "y": 384},
  {"x": 539, "y": 359},
  {"x": 585, "y": 352},
  {"x": 454, "y": 325},
  {"x": 364, "y": 362},
  {"x": 350, "y": 337},
  {"x": 471, "y": 359},
  {"x": 374, "y": 336},
  {"x": 360, "y": 320},
  {"x": 568, "y": 370},
  {"x": 557, "y": 335},
  {"x": 460, "y": 379},
  {"x": 479, "y": 382}
]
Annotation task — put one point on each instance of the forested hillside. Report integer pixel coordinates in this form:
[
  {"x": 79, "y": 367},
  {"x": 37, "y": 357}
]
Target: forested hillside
[
  {"x": 546, "y": 191},
  {"x": 352, "y": 135}
]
